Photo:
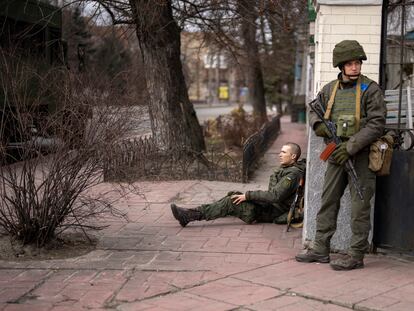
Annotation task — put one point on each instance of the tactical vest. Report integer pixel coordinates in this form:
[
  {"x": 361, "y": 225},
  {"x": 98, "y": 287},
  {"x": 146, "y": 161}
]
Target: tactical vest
[{"x": 345, "y": 112}]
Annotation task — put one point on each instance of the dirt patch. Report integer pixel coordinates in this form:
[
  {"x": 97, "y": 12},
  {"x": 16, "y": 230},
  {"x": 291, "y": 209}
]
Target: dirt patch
[{"x": 67, "y": 246}]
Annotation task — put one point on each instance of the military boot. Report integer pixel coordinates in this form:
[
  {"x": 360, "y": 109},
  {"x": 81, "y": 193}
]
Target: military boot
[
  {"x": 184, "y": 215},
  {"x": 347, "y": 263},
  {"x": 312, "y": 256},
  {"x": 282, "y": 219}
]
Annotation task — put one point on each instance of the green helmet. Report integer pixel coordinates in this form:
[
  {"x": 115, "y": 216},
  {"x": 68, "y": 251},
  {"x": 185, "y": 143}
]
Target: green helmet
[{"x": 347, "y": 50}]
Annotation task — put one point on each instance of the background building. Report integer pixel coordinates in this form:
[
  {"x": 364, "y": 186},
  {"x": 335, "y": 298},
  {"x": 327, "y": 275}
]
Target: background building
[{"x": 211, "y": 73}]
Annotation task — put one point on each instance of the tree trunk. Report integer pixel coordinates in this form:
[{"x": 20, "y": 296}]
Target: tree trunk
[
  {"x": 283, "y": 48},
  {"x": 173, "y": 119},
  {"x": 255, "y": 83}
]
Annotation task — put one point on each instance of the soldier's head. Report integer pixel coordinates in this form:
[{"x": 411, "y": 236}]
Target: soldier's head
[
  {"x": 289, "y": 154},
  {"x": 348, "y": 56}
]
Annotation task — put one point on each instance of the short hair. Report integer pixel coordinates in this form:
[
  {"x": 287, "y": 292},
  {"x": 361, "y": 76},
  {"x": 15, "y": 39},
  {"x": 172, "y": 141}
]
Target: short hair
[{"x": 295, "y": 148}]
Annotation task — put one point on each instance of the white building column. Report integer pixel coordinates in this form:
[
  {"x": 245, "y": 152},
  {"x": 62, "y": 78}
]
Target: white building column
[{"x": 338, "y": 20}]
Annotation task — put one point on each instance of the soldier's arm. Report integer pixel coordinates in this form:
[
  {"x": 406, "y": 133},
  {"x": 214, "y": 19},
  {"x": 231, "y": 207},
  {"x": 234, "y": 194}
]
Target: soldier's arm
[
  {"x": 278, "y": 193},
  {"x": 313, "y": 118},
  {"x": 375, "y": 121},
  {"x": 238, "y": 198}
]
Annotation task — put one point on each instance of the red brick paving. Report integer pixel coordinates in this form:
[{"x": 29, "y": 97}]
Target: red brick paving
[{"x": 151, "y": 263}]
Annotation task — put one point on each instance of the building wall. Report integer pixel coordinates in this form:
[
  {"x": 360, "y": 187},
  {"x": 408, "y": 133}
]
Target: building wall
[{"x": 336, "y": 21}]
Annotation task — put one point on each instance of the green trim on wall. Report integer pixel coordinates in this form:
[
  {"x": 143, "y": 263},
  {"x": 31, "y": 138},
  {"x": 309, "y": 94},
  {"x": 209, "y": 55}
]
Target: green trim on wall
[{"x": 311, "y": 11}]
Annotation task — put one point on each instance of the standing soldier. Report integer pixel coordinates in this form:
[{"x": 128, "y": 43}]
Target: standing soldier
[
  {"x": 260, "y": 206},
  {"x": 356, "y": 105}
]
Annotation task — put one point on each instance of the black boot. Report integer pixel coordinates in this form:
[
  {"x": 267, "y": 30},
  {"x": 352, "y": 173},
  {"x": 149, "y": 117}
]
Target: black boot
[
  {"x": 311, "y": 256},
  {"x": 347, "y": 263},
  {"x": 184, "y": 215}
]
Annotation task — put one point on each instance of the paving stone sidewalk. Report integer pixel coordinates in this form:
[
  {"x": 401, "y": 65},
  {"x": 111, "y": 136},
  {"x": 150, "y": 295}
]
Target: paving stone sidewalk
[{"x": 151, "y": 263}]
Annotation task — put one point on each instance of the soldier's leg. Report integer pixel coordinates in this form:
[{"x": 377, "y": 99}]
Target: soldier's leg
[
  {"x": 361, "y": 210},
  {"x": 225, "y": 207},
  {"x": 333, "y": 188},
  {"x": 270, "y": 212}
]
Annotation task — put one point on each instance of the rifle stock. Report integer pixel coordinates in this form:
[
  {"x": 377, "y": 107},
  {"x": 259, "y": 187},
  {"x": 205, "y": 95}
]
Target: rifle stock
[{"x": 294, "y": 203}]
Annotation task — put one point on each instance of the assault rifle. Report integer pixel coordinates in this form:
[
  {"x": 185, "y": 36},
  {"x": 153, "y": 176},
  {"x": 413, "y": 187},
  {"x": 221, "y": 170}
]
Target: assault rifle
[
  {"x": 317, "y": 107},
  {"x": 298, "y": 196}
]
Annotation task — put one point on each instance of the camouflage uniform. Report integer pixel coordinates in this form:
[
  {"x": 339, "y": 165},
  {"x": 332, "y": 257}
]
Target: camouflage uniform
[
  {"x": 372, "y": 124},
  {"x": 260, "y": 206}
]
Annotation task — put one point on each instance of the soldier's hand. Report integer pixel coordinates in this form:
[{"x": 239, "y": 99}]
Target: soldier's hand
[
  {"x": 340, "y": 154},
  {"x": 238, "y": 198},
  {"x": 322, "y": 131}
]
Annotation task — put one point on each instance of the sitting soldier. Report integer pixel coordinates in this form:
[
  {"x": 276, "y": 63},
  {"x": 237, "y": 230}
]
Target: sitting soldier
[{"x": 255, "y": 206}]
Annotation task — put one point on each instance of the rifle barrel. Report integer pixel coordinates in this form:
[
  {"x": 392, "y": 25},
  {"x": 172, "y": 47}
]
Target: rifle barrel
[{"x": 354, "y": 178}]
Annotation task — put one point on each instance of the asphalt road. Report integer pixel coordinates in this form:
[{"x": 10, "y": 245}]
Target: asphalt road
[
  {"x": 142, "y": 125},
  {"x": 205, "y": 112}
]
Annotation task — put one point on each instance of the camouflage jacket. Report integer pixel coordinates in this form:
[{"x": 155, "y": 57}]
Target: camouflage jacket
[
  {"x": 373, "y": 112},
  {"x": 282, "y": 185}
]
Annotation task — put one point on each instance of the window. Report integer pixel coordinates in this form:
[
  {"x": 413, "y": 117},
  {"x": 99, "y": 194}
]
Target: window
[{"x": 397, "y": 60}]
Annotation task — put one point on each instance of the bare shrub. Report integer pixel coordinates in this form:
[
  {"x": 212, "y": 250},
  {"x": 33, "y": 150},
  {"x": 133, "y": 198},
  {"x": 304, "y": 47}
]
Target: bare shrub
[
  {"x": 55, "y": 129},
  {"x": 232, "y": 129},
  {"x": 142, "y": 159}
]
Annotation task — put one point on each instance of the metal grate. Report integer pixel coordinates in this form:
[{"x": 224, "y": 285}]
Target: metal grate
[{"x": 257, "y": 144}]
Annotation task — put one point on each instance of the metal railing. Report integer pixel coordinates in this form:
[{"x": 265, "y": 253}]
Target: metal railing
[
  {"x": 140, "y": 158},
  {"x": 257, "y": 144}
]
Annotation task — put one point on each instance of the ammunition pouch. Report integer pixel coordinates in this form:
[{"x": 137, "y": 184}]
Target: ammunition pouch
[{"x": 346, "y": 126}]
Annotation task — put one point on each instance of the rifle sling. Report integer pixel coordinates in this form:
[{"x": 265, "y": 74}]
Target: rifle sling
[{"x": 331, "y": 101}]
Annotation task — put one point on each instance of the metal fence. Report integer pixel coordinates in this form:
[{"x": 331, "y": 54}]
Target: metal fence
[
  {"x": 140, "y": 159},
  {"x": 257, "y": 144}
]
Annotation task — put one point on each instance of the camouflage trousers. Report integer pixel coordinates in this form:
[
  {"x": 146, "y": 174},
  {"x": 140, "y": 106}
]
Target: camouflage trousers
[
  {"x": 336, "y": 180},
  {"x": 247, "y": 211}
]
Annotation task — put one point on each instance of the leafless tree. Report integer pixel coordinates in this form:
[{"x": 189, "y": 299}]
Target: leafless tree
[
  {"x": 261, "y": 35},
  {"x": 173, "y": 118},
  {"x": 51, "y": 162},
  {"x": 285, "y": 22},
  {"x": 235, "y": 25},
  {"x": 249, "y": 15}
]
